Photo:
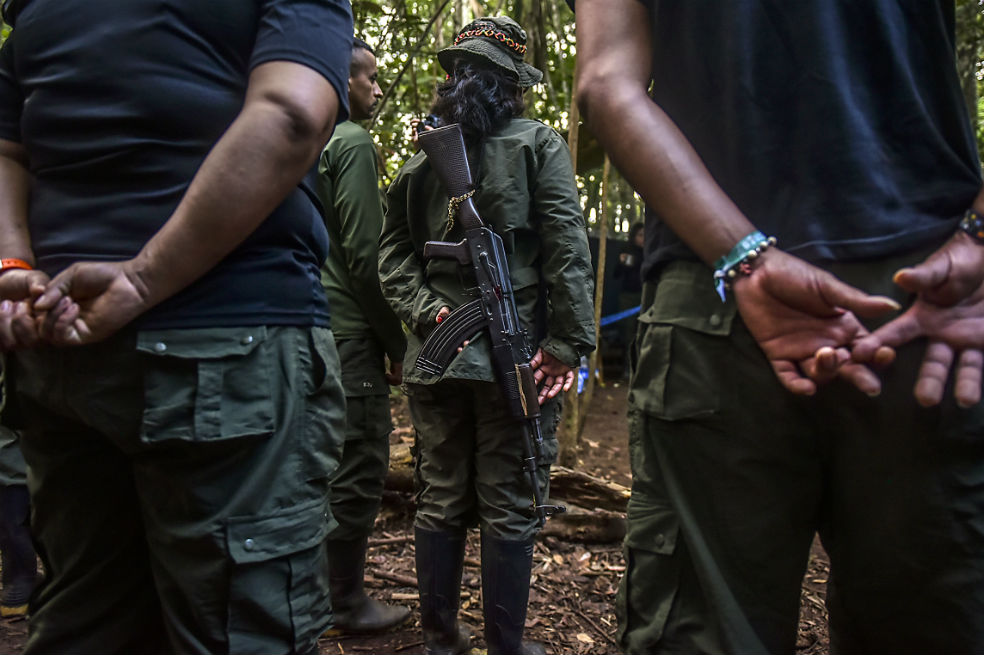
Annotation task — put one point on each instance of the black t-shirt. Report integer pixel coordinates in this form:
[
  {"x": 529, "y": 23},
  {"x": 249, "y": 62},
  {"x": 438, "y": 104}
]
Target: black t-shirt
[
  {"x": 118, "y": 102},
  {"x": 836, "y": 125}
]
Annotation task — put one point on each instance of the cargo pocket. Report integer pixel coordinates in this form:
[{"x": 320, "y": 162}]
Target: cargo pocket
[
  {"x": 647, "y": 590},
  {"x": 278, "y": 583},
  {"x": 321, "y": 436},
  {"x": 206, "y": 385},
  {"x": 682, "y": 346}
]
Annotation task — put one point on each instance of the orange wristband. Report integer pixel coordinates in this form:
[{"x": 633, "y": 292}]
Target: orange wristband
[{"x": 6, "y": 264}]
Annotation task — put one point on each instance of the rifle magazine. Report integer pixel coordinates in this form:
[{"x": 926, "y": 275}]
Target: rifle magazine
[{"x": 442, "y": 344}]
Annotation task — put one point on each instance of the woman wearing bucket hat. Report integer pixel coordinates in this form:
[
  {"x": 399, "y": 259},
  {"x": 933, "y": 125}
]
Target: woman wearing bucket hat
[
  {"x": 498, "y": 41},
  {"x": 468, "y": 450}
]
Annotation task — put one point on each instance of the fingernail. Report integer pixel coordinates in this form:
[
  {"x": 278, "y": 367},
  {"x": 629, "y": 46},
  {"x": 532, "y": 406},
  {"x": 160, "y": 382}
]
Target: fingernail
[
  {"x": 6, "y": 305},
  {"x": 891, "y": 301},
  {"x": 873, "y": 394}
]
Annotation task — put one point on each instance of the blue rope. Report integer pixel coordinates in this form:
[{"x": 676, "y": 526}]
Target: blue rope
[{"x": 614, "y": 318}]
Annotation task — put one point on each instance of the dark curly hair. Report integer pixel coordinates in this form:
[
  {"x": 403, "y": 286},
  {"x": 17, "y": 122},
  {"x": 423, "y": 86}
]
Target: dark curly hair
[{"x": 481, "y": 98}]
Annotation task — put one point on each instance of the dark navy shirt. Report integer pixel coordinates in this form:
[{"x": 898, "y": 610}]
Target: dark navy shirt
[
  {"x": 117, "y": 104},
  {"x": 836, "y": 125}
]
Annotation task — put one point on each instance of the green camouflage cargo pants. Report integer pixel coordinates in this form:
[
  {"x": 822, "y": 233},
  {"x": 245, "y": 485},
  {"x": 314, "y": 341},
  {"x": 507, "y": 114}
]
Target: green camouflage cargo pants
[
  {"x": 179, "y": 481},
  {"x": 357, "y": 485},
  {"x": 13, "y": 470},
  {"x": 733, "y": 475},
  {"x": 468, "y": 457}
]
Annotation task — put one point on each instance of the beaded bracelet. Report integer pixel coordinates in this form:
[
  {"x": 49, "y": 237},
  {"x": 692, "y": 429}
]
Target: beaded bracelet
[
  {"x": 739, "y": 260},
  {"x": 973, "y": 224}
]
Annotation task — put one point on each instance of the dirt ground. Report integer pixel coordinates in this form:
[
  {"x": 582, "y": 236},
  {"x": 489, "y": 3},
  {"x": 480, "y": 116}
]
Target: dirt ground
[{"x": 573, "y": 588}]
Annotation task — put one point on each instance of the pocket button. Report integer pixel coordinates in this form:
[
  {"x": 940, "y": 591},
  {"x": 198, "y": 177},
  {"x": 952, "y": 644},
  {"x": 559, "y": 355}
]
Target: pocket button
[
  {"x": 714, "y": 320},
  {"x": 249, "y": 544},
  {"x": 160, "y": 346},
  {"x": 248, "y": 339}
]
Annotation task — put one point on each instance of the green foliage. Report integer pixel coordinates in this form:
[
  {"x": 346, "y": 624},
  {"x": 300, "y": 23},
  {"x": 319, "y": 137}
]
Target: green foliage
[
  {"x": 970, "y": 50},
  {"x": 407, "y": 35}
]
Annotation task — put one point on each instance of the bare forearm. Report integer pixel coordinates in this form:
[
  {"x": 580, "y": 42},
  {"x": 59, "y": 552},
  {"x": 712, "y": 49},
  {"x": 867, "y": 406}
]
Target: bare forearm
[
  {"x": 15, "y": 240},
  {"x": 644, "y": 143},
  {"x": 256, "y": 163}
]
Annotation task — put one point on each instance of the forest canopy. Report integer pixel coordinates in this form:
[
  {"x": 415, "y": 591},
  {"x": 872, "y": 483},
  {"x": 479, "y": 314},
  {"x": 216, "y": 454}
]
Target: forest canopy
[{"x": 407, "y": 34}]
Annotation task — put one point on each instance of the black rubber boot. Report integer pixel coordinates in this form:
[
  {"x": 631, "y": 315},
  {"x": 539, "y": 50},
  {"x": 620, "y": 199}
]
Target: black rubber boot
[
  {"x": 506, "y": 567},
  {"x": 355, "y": 612},
  {"x": 20, "y": 565},
  {"x": 440, "y": 558}
]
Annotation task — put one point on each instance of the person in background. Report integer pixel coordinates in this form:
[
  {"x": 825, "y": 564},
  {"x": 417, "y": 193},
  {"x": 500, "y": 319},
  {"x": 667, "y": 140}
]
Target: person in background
[
  {"x": 17, "y": 557},
  {"x": 18, "y": 561},
  {"x": 469, "y": 450},
  {"x": 367, "y": 333},
  {"x": 629, "y": 263},
  {"x": 160, "y": 249},
  {"x": 628, "y": 271},
  {"x": 812, "y": 169}
]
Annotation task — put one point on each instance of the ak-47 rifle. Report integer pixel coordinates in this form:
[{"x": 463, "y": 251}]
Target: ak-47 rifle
[{"x": 494, "y": 309}]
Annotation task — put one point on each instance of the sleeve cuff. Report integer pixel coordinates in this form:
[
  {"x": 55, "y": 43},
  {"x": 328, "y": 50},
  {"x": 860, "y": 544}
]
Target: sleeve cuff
[
  {"x": 425, "y": 311},
  {"x": 564, "y": 352}
]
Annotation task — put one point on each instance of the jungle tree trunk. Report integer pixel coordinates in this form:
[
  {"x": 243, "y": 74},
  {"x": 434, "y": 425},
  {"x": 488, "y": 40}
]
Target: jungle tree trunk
[
  {"x": 599, "y": 293},
  {"x": 568, "y": 432}
]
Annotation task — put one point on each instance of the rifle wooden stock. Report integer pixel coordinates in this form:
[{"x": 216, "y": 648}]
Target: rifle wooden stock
[
  {"x": 445, "y": 148},
  {"x": 527, "y": 390}
]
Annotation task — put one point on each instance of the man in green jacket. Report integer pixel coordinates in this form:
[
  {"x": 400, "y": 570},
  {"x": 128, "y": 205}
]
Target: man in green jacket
[{"x": 367, "y": 332}]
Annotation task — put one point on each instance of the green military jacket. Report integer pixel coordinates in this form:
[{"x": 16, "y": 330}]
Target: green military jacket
[
  {"x": 525, "y": 191},
  {"x": 349, "y": 190}
]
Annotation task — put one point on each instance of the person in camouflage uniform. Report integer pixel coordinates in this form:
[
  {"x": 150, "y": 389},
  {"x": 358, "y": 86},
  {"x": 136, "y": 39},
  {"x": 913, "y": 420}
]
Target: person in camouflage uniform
[
  {"x": 367, "y": 332},
  {"x": 468, "y": 449}
]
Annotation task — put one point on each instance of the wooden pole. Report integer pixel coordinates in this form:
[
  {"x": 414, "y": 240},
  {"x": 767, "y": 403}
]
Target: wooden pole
[
  {"x": 568, "y": 432},
  {"x": 599, "y": 294}
]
